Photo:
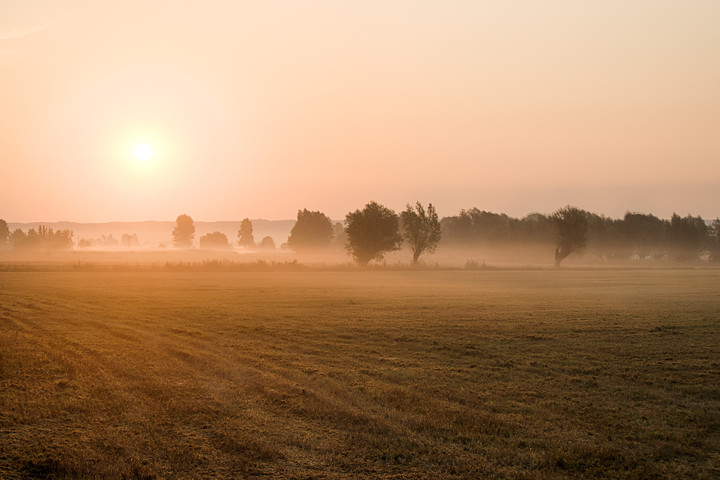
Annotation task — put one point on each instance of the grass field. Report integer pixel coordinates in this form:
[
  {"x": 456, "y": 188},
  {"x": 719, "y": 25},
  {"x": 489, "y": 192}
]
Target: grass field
[{"x": 360, "y": 374}]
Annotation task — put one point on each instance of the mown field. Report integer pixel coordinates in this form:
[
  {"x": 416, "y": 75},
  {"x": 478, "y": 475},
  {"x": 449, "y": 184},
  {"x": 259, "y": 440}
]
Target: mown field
[{"x": 360, "y": 374}]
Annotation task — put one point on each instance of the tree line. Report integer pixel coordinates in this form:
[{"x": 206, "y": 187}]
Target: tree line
[
  {"x": 368, "y": 234},
  {"x": 636, "y": 235},
  {"x": 41, "y": 237}
]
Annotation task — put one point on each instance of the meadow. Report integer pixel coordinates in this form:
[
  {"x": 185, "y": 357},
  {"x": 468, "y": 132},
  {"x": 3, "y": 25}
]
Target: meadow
[{"x": 526, "y": 373}]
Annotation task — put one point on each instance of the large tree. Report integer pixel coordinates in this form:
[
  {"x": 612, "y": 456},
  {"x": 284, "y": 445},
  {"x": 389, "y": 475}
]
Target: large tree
[
  {"x": 421, "y": 229},
  {"x": 571, "y": 229},
  {"x": 312, "y": 231},
  {"x": 245, "y": 234},
  {"x": 184, "y": 231},
  {"x": 371, "y": 232}
]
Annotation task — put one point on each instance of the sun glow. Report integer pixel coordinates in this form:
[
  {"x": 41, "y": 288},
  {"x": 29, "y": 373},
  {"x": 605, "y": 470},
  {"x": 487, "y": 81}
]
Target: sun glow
[{"x": 143, "y": 151}]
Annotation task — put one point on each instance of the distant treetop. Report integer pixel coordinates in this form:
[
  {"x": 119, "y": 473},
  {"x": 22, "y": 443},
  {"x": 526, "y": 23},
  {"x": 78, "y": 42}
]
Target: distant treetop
[
  {"x": 184, "y": 232},
  {"x": 245, "y": 234}
]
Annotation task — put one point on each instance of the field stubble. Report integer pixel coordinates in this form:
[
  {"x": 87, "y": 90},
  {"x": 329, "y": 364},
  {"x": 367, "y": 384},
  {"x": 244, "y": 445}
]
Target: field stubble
[{"x": 376, "y": 374}]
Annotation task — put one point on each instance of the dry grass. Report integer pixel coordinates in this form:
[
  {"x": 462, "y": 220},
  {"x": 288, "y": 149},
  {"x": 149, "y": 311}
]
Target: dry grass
[{"x": 377, "y": 374}]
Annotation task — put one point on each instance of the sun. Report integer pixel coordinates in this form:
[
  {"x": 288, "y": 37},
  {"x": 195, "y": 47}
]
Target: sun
[{"x": 143, "y": 151}]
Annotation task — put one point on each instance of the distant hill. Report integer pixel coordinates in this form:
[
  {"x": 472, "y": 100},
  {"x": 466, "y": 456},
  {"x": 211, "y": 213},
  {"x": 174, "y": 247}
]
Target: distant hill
[{"x": 153, "y": 233}]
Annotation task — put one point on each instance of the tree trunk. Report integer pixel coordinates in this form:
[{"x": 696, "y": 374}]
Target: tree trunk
[{"x": 560, "y": 256}]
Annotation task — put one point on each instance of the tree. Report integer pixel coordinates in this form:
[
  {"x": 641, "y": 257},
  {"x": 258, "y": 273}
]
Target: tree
[
  {"x": 4, "y": 233},
  {"x": 18, "y": 239},
  {"x": 184, "y": 231},
  {"x": 571, "y": 225},
  {"x": 421, "y": 229},
  {"x": 128, "y": 240},
  {"x": 534, "y": 228},
  {"x": 715, "y": 231},
  {"x": 644, "y": 234},
  {"x": 715, "y": 239},
  {"x": 474, "y": 227},
  {"x": 312, "y": 231},
  {"x": 267, "y": 243},
  {"x": 687, "y": 235},
  {"x": 371, "y": 232},
  {"x": 214, "y": 240},
  {"x": 245, "y": 234},
  {"x": 42, "y": 238},
  {"x": 603, "y": 234},
  {"x": 339, "y": 236},
  {"x": 108, "y": 241}
]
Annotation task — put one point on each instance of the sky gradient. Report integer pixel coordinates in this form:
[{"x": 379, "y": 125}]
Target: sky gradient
[{"x": 258, "y": 109}]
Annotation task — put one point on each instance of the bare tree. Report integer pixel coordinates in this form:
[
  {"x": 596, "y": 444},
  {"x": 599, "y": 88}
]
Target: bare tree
[
  {"x": 421, "y": 229},
  {"x": 571, "y": 226}
]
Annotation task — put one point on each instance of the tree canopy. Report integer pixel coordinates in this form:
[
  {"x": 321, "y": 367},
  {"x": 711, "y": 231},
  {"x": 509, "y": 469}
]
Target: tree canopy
[
  {"x": 571, "y": 224},
  {"x": 421, "y": 229},
  {"x": 214, "y": 240},
  {"x": 687, "y": 235},
  {"x": 371, "y": 232},
  {"x": 245, "y": 234},
  {"x": 184, "y": 231},
  {"x": 312, "y": 231},
  {"x": 267, "y": 243},
  {"x": 339, "y": 238},
  {"x": 41, "y": 238}
]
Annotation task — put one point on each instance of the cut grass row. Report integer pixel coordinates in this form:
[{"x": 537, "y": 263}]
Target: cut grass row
[{"x": 446, "y": 374}]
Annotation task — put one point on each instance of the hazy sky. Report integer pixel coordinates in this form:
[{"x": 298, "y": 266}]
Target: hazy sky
[{"x": 258, "y": 109}]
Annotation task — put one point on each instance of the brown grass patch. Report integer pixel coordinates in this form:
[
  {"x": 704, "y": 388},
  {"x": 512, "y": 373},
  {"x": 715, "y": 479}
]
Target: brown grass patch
[{"x": 364, "y": 374}]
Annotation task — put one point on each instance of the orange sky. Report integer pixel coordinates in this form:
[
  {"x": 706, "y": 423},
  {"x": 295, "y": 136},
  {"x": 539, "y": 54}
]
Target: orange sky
[{"x": 258, "y": 109}]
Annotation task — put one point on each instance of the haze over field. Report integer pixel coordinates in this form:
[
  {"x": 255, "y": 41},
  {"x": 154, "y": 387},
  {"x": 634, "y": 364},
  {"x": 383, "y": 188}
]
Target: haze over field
[
  {"x": 154, "y": 233},
  {"x": 223, "y": 110},
  {"x": 381, "y": 239}
]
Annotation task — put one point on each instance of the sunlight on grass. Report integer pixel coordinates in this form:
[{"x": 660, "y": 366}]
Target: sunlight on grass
[{"x": 455, "y": 374}]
